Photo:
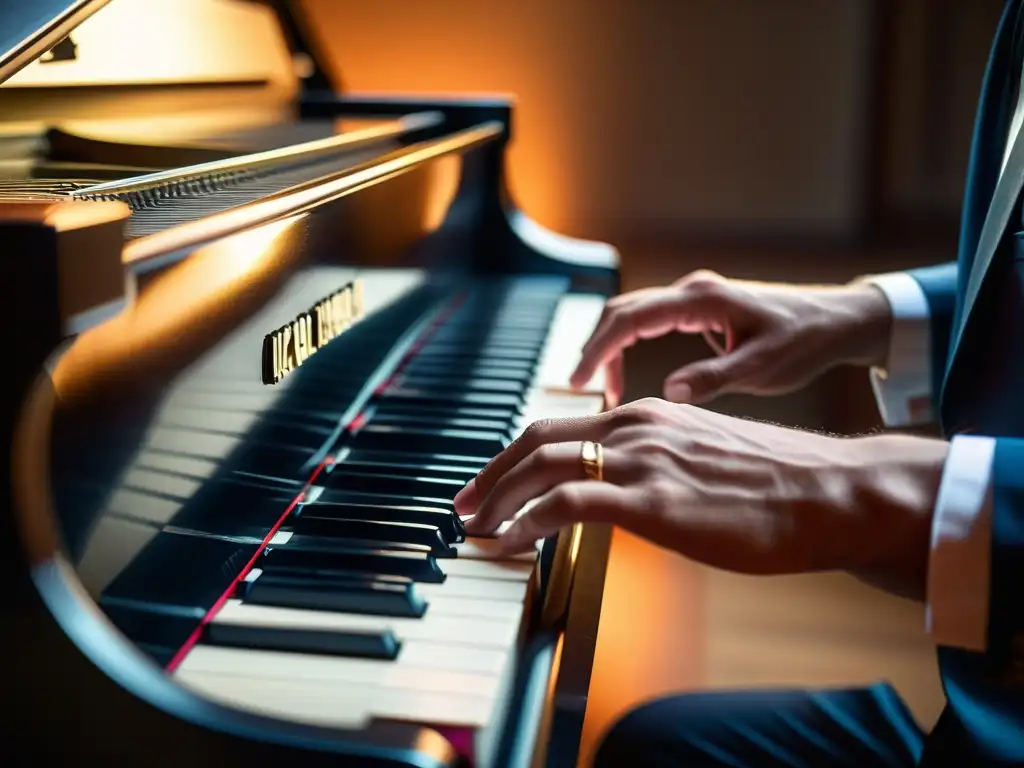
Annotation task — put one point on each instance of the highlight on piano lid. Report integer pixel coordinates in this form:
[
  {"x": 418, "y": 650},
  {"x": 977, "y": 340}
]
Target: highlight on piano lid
[{"x": 266, "y": 328}]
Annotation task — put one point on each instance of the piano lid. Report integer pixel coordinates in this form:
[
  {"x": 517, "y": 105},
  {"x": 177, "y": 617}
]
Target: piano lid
[
  {"x": 85, "y": 43},
  {"x": 31, "y": 28}
]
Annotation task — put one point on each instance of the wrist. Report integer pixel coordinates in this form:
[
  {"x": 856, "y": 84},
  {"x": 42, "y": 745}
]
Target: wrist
[
  {"x": 893, "y": 487},
  {"x": 867, "y": 324}
]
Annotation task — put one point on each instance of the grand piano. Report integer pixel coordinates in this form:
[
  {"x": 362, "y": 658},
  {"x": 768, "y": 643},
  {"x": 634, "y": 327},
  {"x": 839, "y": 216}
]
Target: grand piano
[{"x": 262, "y": 330}]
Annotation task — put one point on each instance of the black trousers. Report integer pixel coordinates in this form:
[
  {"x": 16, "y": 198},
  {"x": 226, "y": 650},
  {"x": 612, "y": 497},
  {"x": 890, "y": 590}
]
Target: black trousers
[{"x": 855, "y": 728}]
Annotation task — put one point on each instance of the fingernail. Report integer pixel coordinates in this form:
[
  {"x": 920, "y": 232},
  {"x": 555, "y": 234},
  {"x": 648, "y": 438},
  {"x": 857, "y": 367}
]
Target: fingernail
[
  {"x": 466, "y": 498},
  {"x": 680, "y": 393}
]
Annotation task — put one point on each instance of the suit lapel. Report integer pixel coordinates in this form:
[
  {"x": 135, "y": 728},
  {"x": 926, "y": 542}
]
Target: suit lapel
[{"x": 988, "y": 205}]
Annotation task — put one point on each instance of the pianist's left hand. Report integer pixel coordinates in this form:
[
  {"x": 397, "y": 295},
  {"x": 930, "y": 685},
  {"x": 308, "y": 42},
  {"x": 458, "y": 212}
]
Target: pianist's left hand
[{"x": 735, "y": 494}]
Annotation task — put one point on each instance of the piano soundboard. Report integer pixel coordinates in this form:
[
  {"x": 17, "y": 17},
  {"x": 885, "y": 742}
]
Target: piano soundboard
[{"x": 258, "y": 382}]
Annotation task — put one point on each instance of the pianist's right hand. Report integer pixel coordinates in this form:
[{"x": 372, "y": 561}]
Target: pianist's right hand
[{"x": 777, "y": 337}]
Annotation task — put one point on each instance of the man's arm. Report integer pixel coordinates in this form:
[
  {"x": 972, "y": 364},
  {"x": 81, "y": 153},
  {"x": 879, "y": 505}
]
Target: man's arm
[{"x": 907, "y": 390}]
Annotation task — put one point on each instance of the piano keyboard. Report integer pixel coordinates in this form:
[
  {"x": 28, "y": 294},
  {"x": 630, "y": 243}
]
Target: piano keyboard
[{"x": 369, "y": 602}]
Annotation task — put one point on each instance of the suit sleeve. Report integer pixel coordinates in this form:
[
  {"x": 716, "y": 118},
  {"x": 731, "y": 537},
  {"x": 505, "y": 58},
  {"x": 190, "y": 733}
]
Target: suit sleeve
[
  {"x": 1006, "y": 609},
  {"x": 922, "y": 301},
  {"x": 958, "y": 593}
]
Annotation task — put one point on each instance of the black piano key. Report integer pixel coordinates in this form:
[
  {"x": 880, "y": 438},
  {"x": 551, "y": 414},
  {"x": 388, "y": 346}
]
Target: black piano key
[
  {"x": 418, "y": 566},
  {"x": 253, "y": 455},
  {"x": 316, "y": 542},
  {"x": 292, "y": 434},
  {"x": 498, "y": 333},
  {"x": 351, "y": 593},
  {"x": 427, "y": 370},
  {"x": 465, "y": 363},
  {"x": 180, "y": 570},
  {"x": 234, "y": 509},
  {"x": 461, "y": 384},
  {"x": 383, "y": 506},
  {"x": 497, "y": 346},
  {"x": 344, "y": 478},
  {"x": 380, "y": 531},
  {"x": 439, "y": 421},
  {"x": 360, "y": 455},
  {"x": 491, "y": 353},
  {"x": 367, "y": 645},
  {"x": 397, "y": 409},
  {"x": 153, "y": 624},
  {"x": 421, "y": 468},
  {"x": 437, "y": 397},
  {"x": 462, "y": 442}
]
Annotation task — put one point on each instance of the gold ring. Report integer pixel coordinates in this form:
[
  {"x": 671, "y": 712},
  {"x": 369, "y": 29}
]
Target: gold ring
[{"x": 592, "y": 457}]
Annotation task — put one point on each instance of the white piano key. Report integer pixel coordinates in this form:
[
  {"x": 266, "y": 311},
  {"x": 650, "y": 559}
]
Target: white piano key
[
  {"x": 399, "y": 674},
  {"x": 493, "y": 590},
  {"x": 224, "y": 421},
  {"x": 192, "y": 443},
  {"x": 483, "y": 633},
  {"x": 181, "y": 465},
  {"x": 575, "y": 319},
  {"x": 508, "y": 570},
  {"x": 488, "y": 589},
  {"x": 249, "y": 403},
  {"x": 485, "y": 549},
  {"x": 327, "y": 704},
  {"x": 484, "y": 661},
  {"x": 142, "y": 479},
  {"x": 471, "y": 608},
  {"x": 142, "y": 506}
]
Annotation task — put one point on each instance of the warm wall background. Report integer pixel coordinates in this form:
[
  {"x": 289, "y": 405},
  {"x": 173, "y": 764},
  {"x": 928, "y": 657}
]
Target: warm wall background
[{"x": 644, "y": 115}]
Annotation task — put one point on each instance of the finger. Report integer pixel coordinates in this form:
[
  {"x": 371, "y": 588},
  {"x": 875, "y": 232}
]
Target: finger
[
  {"x": 646, "y": 318},
  {"x": 615, "y": 382},
  {"x": 706, "y": 379},
  {"x": 580, "y": 377},
  {"x": 547, "y": 467},
  {"x": 570, "y": 503},
  {"x": 537, "y": 434}
]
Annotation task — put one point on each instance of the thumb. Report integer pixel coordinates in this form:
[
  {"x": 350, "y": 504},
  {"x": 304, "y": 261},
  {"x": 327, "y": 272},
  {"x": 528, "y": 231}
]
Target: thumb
[{"x": 704, "y": 380}]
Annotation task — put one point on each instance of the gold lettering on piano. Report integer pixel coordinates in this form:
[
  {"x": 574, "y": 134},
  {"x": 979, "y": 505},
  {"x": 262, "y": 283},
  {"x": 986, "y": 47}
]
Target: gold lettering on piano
[{"x": 292, "y": 344}]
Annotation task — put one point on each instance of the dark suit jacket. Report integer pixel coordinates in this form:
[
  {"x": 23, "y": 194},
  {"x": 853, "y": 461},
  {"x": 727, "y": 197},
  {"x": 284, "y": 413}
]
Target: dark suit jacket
[{"x": 978, "y": 385}]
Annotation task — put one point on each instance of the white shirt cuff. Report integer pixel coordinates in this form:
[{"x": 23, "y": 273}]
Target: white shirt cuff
[
  {"x": 903, "y": 387},
  {"x": 956, "y": 613}
]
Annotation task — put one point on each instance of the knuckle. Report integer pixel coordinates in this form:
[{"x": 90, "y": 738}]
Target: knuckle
[
  {"x": 705, "y": 281},
  {"x": 534, "y": 434},
  {"x": 566, "y": 499},
  {"x": 648, "y": 410},
  {"x": 659, "y": 497},
  {"x": 623, "y": 421}
]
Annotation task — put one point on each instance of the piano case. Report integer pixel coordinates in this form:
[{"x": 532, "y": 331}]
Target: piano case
[{"x": 262, "y": 331}]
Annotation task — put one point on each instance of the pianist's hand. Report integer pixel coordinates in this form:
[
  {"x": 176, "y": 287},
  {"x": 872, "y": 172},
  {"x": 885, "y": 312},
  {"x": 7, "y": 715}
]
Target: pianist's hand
[
  {"x": 735, "y": 494},
  {"x": 777, "y": 337}
]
